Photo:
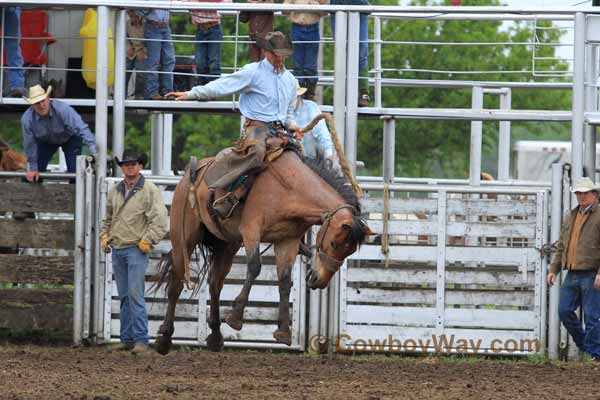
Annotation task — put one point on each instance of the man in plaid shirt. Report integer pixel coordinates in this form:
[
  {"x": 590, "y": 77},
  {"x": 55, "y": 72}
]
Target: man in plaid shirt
[{"x": 208, "y": 42}]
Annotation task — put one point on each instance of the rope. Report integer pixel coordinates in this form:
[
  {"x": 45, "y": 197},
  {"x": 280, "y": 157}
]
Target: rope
[
  {"x": 338, "y": 148},
  {"x": 385, "y": 239}
]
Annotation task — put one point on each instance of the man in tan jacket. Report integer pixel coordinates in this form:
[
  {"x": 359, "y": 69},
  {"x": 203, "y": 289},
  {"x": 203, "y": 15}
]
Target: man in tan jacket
[
  {"x": 579, "y": 253},
  {"x": 306, "y": 37},
  {"x": 135, "y": 219}
]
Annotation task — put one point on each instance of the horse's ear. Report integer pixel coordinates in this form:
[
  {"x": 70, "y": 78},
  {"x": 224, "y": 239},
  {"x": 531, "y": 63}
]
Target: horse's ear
[{"x": 366, "y": 230}]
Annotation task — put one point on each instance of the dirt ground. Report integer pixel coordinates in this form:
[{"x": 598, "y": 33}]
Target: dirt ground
[{"x": 95, "y": 373}]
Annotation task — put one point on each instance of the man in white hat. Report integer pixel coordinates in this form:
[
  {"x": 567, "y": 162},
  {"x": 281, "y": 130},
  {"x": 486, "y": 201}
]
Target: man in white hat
[
  {"x": 579, "y": 253},
  {"x": 47, "y": 125}
]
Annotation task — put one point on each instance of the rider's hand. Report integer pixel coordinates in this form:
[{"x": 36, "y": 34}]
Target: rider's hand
[
  {"x": 298, "y": 133},
  {"x": 178, "y": 96},
  {"x": 32, "y": 176}
]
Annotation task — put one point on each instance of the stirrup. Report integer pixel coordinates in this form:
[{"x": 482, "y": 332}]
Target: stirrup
[{"x": 228, "y": 200}]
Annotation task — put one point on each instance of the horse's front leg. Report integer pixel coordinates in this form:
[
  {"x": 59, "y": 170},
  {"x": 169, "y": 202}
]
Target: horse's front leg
[
  {"x": 223, "y": 258},
  {"x": 235, "y": 317},
  {"x": 285, "y": 255}
]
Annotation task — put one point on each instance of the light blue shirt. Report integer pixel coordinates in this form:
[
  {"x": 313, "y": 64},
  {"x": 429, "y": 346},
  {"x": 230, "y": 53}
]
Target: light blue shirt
[
  {"x": 57, "y": 127},
  {"x": 154, "y": 14},
  {"x": 318, "y": 140},
  {"x": 264, "y": 95}
]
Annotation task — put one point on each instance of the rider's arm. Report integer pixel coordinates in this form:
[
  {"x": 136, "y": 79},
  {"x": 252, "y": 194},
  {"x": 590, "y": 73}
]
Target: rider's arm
[{"x": 226, "y": 85}]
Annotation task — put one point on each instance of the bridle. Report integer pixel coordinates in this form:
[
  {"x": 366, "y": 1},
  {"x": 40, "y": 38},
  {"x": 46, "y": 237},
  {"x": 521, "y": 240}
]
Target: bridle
[{"x": 330, "y": 263}]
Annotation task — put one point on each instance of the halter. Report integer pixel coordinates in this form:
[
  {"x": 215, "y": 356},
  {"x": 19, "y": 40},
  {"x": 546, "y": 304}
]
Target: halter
[{"x": 326, "y": 218}]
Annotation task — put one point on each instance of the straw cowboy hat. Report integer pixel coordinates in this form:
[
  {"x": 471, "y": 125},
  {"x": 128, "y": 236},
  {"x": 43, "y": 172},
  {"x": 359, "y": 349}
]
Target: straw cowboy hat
[
  {"x": 299, "y": 90},
  {"x": 37, "y": 94},
  {"x": 276, "y": 43},
  {"x": 584, "y": 185},
  {"x": 131, "y": 155}
]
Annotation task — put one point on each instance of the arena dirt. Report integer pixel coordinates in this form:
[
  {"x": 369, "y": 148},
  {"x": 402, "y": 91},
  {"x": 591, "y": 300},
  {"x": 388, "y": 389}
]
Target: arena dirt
[{"x": 95, "y": 373}]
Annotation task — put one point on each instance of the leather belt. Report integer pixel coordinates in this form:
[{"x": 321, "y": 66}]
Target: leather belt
[
  {"x": 207, "y": 25},
  {"x": 157, "y": 24},
  {"x": 254, "y": 122}
]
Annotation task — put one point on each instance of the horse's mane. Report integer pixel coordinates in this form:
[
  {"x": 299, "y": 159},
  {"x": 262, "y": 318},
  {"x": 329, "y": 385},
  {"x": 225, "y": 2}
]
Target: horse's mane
[{"x": 323, "y": 168}]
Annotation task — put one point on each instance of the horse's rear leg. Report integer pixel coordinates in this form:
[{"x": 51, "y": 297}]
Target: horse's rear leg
[
  {"x": 165, "y": 332},
  {"x": 235, "y": 317},
  {"x": 223, "y": 258},
  {"x": 285, "y": 255}
]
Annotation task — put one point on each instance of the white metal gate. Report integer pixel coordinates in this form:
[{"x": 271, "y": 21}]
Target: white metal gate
[
  {"x": 191, "y": 327},
  {"x": 462, "y": 273}
]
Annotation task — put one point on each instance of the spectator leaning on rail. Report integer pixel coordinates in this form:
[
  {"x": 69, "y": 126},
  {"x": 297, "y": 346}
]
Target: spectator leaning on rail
[
  {"x": 209, "y": 36},
  {"x": 160, "y": 53},
  {"x": 12, "y": 35},
  {"x": 136, "y": 50},
  {"x": 135, "y": 219},
  {"x": 578, "y": 253},
  {"x": 267, "y": 101},
  {"x": 317, "y": 143},
  {"x": 305, "y": 28},
  {"x": 47, "y": 125},
  {"x": 363, "y": 48}
]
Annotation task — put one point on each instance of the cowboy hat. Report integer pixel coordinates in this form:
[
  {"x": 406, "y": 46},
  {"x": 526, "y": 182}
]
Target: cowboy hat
[
  {"x": 276, "y": 43},
  {"x": 37, "y": 94},
  {"x": 299, "y": 90},
  {"x": 584, "y": 185},
  {"x": 131, "y": 155}
]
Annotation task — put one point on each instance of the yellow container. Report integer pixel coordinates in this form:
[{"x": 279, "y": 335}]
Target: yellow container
[{"x": 88, "y": 32}]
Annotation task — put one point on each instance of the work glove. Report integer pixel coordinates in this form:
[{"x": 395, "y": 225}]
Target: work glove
[
  {"x": 145, "y": 246},
  {"x": 104, "y": 243}
]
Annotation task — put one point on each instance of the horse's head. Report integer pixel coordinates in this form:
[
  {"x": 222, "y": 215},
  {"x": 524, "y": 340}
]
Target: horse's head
[
  {"x": 340, "y": 235},
  {"x": 11, "y": 160}
]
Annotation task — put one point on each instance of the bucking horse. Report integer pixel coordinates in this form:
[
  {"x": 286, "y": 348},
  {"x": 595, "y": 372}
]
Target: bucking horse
[{"x": 287, "y": 198}]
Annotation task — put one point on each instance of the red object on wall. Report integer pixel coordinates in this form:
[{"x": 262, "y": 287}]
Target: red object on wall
[
  {"x": 455, "y": 2},
  {"x": 34, "y": 24}
]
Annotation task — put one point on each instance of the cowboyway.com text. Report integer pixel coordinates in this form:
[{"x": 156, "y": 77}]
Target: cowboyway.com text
[{"x": 437, "y": 343}]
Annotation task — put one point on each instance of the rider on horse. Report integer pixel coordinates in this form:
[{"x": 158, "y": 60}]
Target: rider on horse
[{"x": 267, "y": 101}]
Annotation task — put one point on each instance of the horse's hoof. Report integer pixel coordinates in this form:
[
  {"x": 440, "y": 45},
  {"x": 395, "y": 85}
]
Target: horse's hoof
[
  {"x": 234, "y": 322},
  {"x": 283, "y": 337},
  {"x": 163, "y": 345},
  {"x": 214, "y": 342}
]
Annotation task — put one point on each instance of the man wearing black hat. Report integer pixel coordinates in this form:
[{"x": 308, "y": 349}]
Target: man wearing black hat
[
  {"x": 135, "y": 219},
  {"x": 267, "y": 100}
]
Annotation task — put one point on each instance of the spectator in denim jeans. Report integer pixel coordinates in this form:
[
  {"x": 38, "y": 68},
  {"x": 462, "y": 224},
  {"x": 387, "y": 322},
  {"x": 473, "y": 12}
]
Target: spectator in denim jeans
[
  {"x": 136, "y": 50},
  {"x": 12, "y": 35},
  {"x": 305, "y": 28},
  {"x": 135, "y": 220},
  {"x": 577, "y": 252},
  {"x": 160, "y": 53},
  {"x": 209, "y": 36},
  {"x": 363, "y": 48}
]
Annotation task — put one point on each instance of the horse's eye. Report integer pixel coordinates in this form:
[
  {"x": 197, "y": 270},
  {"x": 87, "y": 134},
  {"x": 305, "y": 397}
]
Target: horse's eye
[{"x": 332, "y": 244}]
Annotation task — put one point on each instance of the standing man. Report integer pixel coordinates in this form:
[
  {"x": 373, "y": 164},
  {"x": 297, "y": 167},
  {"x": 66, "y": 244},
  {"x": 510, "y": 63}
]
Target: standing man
[
  {"x": 363, "y": 49},
  {"x": 209, "y": 36},
  {"x": 317, "y": 143},
  {"x": 306, "y": 37},
  {"x": 267, "y": 101},
  {"x": 136, "y": 52},
  {"x": 578, "y": 252},
  {"x": 12, "y": 35},
  {"x": 47, "y": 125},
  {"x": 260, "y": 23},
  {"x": 160, "y": 53},
  {"x": 135, "y": 219}
]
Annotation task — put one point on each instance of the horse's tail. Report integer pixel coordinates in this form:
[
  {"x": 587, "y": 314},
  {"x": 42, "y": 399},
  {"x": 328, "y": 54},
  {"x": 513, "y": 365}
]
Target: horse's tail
[{"x": 164, "y": 272}]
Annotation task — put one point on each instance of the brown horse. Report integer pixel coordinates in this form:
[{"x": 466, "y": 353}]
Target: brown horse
[
  {"x": 11, "y": 160},
  {"x": 287, "y": 198}
]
